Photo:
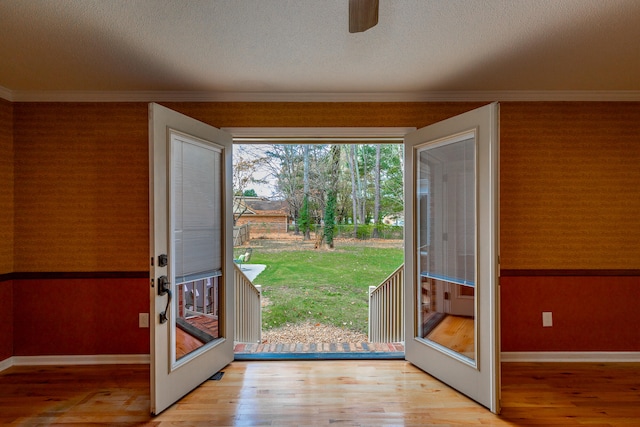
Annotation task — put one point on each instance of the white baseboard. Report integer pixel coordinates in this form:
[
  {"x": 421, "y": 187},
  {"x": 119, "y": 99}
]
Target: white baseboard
[
  {"x": 6, "y": 363},
  {"x": 570, "y": 356},
  {"x": 98, "y": 359},
  {"x": 143, "y": 359}
]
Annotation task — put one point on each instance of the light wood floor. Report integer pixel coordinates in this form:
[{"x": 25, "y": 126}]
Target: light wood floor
[
  {"x": 456, "y": 333},
  {"x": 318, "y": 393}
]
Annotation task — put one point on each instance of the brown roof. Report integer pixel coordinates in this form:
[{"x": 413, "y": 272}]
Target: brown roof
[{"x": 264, "y": 206}]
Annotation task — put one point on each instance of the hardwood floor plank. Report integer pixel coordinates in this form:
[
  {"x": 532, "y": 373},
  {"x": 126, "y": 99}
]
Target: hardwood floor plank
[
  {"x": 456, "y": 333},
  {"x": 319, "y": 393}
]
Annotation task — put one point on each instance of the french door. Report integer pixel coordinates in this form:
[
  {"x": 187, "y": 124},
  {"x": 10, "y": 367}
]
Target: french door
[
  {"x": 451, "y": 253},
  {"x": 191, "y": 254}
]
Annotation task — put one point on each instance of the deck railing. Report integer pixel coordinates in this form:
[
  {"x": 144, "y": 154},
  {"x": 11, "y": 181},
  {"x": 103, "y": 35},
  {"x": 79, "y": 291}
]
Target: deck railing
[
  {"x": 248, "y": 318},
  {"x": 386, "y": 309},
  {"x": 199, "y": 297}
]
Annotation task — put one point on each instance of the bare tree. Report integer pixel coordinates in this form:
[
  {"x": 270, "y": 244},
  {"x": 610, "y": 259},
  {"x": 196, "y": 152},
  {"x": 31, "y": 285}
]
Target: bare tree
[
  {"x": 354, "y": 188},
  {"x": 362, "y": 185},
  {"x": 284, "y": 161},
  {"x": 376, "y": 203},
  {"x": 245, "y": 164},
  {"x": 305, "y": 220}
]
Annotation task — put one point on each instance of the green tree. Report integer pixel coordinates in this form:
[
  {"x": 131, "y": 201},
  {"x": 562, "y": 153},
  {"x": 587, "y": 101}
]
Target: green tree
[
  {"x": 306, "y": 229},
  {"x": 250, "y": 193},
  {"x": 304, "y": 217},
  {"x": 330, "y": 208},
  {"x": 392, "y": 179}
]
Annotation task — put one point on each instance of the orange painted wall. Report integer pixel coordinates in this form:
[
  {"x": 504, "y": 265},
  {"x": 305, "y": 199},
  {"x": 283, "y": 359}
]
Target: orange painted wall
[
  {"x": 81, "y": 192},
  {"x": 570, "y": 185},
  {"x": 570, "y": 197},
  {"x": 80, "y": 316},
  {"x": 589, "y": 313},
  {"x": 81, "y": 205},
  {"x": 6, "y": 187},
  {"x": 6, "y": 228},
  {"x": 322, "y": 114},
  {"x": 81, "y": 201},
  {"x": 6, "y": 319}
]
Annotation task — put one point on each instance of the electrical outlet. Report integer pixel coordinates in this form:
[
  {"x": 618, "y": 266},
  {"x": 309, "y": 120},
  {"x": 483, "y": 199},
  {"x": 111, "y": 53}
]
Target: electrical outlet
[
  {"x": 547, "y": 319},
  {"x": 143, "y": 320}
]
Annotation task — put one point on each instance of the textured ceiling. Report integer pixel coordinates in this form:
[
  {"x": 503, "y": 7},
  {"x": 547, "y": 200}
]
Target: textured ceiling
[{"x": 304, "y": 46}]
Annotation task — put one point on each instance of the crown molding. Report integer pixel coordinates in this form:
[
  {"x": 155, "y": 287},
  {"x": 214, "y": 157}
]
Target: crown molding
[{"x": 428, "y": 96}]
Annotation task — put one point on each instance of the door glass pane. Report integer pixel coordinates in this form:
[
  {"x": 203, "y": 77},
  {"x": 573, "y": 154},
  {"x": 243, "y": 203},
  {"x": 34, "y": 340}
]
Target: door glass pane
[
  {"x": 196, "y": 176},
  {"x": 446, "y": 212}
]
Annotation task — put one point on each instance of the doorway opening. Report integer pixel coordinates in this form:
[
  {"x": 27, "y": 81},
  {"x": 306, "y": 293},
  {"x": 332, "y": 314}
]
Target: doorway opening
[{"x": 318, "y": 225}]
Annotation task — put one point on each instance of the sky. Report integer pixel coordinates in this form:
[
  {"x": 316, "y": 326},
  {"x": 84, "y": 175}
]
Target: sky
[{"x": 261, "y": 173}]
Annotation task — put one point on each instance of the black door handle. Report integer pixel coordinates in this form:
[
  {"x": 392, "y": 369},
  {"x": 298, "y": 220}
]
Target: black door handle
[{"x": 163, "y": 288}]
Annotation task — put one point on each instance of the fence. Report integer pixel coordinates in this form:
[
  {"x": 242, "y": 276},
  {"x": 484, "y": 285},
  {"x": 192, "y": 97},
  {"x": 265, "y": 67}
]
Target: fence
[
  {"x": 241, "y": 235},
  {"x": 365, "y": 231}
]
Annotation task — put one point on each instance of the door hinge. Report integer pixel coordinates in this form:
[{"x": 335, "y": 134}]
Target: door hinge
[{"x": 152, "y": 283}]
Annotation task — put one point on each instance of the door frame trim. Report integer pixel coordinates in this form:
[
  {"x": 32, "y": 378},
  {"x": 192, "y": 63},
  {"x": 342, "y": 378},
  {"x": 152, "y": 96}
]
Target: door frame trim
[{"x": 273, "y": 135}]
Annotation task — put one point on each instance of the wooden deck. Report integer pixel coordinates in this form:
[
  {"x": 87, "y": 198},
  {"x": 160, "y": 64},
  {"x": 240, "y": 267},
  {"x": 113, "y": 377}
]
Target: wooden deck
[
  {"x": 319, "y": 393},
  {"x": 320, "y": 350},
  {"x": 187, "y": 342}
]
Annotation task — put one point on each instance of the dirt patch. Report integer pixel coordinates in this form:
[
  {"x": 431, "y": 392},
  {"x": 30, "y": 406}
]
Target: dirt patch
[{"x": 312, "y": 333}]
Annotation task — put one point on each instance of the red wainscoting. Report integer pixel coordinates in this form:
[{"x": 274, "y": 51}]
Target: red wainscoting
[
  {"x": 589, "y": 313},
  {"x": 6, "y": 319},
  {"x": 79, "y": 316}
]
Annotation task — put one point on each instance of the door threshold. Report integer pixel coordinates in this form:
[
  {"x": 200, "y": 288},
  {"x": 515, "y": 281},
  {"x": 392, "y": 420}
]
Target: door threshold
[{"x": 368, "y": 355}]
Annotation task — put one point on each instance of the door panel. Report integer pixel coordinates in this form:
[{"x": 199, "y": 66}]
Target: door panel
[
  {"x": 191, "y": 254},
  {"x": 451, "y": 253}
]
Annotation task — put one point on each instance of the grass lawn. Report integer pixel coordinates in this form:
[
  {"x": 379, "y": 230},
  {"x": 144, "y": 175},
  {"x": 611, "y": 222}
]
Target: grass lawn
[{"x": 323, "y": 286}]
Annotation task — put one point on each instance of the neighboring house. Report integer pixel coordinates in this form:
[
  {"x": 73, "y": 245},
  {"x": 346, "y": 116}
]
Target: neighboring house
[{"x": 264, "y": 216}]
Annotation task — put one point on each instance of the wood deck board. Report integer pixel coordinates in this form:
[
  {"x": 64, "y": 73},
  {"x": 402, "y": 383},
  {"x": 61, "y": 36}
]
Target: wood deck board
[
  {"x": 323, "y": 393},
  {"x": 186, "y": 343}
]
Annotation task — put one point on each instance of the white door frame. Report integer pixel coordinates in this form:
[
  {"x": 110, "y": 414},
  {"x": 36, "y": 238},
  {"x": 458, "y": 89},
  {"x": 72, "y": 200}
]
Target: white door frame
[{"x": 319, "y": 134}]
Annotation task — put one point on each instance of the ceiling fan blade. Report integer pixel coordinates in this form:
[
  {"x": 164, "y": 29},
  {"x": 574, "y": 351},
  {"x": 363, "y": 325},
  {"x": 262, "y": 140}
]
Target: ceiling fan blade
[{"x": 363, "y": 14}]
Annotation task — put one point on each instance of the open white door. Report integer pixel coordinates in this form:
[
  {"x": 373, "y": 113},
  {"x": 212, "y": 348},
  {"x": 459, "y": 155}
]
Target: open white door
[
  {"x": 191, "y": 245},
  {"x": 451, "y": 253}
]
